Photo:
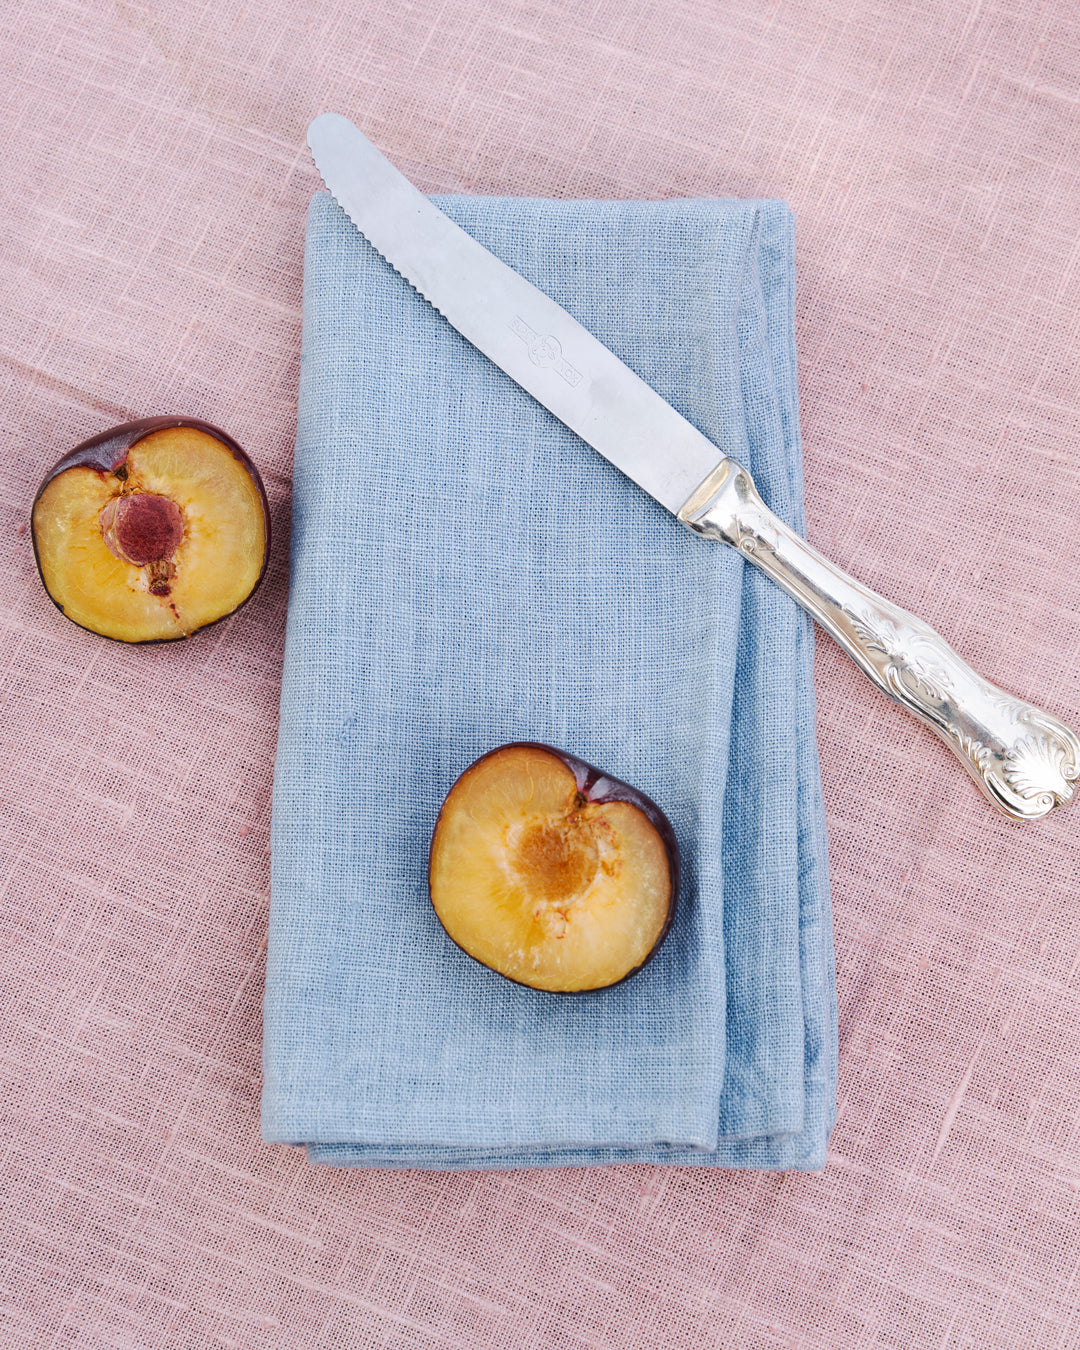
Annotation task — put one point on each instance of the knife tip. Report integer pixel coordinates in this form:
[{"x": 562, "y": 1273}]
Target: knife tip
[{"x": 327, "y": 122}]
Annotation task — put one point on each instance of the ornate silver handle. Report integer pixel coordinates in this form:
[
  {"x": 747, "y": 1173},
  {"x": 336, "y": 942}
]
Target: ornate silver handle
[{"x": 1025, "y": 761}]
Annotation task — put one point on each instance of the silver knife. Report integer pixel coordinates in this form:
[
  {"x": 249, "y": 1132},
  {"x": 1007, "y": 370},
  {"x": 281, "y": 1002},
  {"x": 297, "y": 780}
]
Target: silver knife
[{"x": 1024, "y": 760}]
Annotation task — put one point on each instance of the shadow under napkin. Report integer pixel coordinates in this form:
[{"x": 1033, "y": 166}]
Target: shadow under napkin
[{"x": 465, "y": 572}]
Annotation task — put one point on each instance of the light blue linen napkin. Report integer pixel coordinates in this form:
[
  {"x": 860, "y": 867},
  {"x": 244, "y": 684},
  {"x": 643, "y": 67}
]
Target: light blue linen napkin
[{"x": 466, "y": 572}]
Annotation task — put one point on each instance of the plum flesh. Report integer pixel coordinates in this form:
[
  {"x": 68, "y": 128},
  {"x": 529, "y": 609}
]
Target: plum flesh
[
  {"x": 152, "y": 530},
  {"x": 550, "y": 872}
]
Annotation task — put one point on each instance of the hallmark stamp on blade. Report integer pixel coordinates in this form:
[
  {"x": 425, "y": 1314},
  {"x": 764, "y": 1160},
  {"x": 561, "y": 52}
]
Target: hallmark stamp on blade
[{"x": 545, "y": 351}]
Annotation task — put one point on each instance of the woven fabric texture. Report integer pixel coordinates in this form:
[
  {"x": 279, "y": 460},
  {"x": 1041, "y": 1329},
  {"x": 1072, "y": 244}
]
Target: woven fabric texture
[
  {"x": 466, "y": 572},
  {"x": 152, "y": 225}
]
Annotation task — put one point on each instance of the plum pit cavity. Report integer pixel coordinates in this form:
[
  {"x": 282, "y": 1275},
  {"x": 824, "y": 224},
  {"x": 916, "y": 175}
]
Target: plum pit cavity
[
  {"x": 142, "y": 528},
  {"x": 558, "y": 856}
]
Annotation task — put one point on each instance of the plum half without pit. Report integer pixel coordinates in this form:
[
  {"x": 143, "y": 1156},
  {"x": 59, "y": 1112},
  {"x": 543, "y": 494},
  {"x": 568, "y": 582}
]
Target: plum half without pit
[
  {"x": 152, "y": 530},
  {"x": 550, "y": 872}
]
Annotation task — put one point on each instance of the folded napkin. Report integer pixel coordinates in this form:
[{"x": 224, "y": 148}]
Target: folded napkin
[{"x": 466, "y": 572}]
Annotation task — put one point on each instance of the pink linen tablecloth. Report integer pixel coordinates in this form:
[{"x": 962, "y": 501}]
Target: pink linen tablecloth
[{"x": 151, "y": 216}]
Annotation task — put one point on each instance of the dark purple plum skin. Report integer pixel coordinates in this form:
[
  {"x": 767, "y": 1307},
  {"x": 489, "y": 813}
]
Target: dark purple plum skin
[
  {"x": 107, "y": 451},
  {"x": 595, "y": 786}
]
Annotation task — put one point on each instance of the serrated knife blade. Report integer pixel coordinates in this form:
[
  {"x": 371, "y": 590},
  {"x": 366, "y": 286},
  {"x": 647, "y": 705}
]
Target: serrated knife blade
[
  {"x": 1025, "y": 761},
  {"x": 513, "y": 323}
]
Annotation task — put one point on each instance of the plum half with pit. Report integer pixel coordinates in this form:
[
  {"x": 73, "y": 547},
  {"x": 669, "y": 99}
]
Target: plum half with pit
[
  {"x": 550, "y": 872},
  {"x": 152, "y": 530}
]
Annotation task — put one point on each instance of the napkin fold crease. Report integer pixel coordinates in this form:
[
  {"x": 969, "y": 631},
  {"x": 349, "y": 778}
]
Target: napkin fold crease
[{"x": 466, "y": 572}]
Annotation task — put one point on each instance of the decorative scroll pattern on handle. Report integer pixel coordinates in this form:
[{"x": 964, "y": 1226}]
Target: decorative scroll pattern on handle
[{"x": 1025, "y": 761}]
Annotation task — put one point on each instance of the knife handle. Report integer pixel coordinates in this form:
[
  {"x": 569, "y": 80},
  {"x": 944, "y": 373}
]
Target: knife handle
[{"x": 1025, "y": 761}]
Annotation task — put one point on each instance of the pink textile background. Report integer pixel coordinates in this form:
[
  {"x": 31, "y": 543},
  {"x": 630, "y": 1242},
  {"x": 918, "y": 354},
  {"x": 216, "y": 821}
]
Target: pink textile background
[{"x": 151, "y": 210}]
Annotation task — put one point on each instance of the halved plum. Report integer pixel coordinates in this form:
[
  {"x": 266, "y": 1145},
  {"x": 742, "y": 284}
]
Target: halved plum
[
  {"x": 550, "y": 872},
  {"x": 152, "y": 530}
]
